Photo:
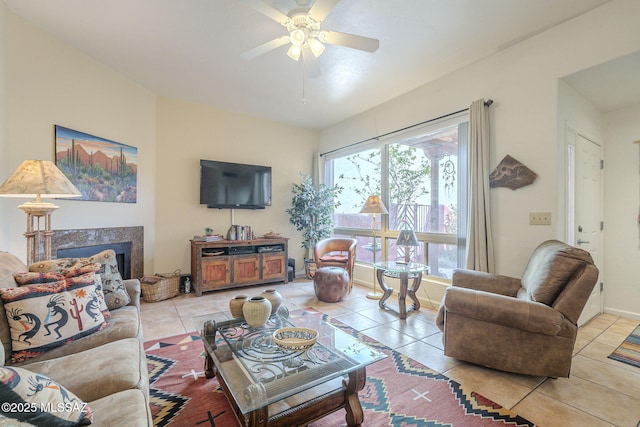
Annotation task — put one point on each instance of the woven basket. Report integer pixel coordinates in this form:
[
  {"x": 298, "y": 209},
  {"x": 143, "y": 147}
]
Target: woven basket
[{"x": 160, "y": 287}]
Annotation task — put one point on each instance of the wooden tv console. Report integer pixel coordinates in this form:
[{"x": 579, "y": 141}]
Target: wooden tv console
[{"x": 229, "y": 264}]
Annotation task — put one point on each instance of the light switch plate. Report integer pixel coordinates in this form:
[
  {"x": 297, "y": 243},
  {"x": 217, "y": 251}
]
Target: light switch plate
[{"x": 540, "y": 218}]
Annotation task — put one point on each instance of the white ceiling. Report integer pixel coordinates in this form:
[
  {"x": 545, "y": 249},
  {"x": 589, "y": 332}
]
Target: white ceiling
[{"x": 190, "y": 49}]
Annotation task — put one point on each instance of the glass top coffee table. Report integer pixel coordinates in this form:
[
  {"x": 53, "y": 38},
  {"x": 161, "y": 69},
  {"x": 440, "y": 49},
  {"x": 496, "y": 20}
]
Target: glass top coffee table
[{"x": 270, "y": 386}]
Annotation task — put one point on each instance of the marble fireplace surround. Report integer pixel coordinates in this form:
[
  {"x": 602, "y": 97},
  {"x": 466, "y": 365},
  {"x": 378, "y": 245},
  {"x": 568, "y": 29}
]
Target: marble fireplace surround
[{"x": 105, "y": 238}]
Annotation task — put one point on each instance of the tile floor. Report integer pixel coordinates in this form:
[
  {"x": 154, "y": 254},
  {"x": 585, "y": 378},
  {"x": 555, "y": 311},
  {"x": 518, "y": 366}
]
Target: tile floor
[{"x": 600, "y": 391}]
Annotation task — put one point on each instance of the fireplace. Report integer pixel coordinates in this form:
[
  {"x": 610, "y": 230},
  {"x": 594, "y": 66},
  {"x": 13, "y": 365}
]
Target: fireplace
[{"x": 127, "y": 243}]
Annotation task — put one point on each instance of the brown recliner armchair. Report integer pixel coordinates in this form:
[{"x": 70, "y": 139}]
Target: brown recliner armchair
[
  {"x": 336, "y": 252},
  {"x": 527, "y": 325}
]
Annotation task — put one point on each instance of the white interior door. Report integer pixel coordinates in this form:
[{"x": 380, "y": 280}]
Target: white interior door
[{"x": 588, "y": 213}]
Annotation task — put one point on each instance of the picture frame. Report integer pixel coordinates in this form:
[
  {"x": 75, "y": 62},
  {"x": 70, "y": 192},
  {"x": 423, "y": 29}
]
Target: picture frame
[{"x": 103, "y": 170}]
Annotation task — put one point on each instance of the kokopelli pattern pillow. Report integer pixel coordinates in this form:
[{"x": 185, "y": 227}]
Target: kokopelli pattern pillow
[
  {"x": 115, "y": 292},
  {"x": 36, "y": 399},
  {"x": 35, "y": 278},
  {"x": 46, "y": 316}
]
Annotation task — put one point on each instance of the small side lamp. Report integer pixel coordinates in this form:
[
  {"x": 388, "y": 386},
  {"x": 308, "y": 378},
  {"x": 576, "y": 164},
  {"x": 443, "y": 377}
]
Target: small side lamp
[
  {"x": 407, "y": 238},
  {"x": 38, "y": 178}
]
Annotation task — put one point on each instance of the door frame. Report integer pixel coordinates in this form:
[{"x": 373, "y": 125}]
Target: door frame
[{"x": 570, "y": 141}]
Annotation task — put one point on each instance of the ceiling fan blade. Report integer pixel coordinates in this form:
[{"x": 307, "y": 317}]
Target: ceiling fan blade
[
  {"x": 321, "y": 9},
  {"x": 350, "y": 40},
  {"x": 310, "y": 63},
  {"x": 265, "y": 47},
  {"x": 267, "y": 10}
]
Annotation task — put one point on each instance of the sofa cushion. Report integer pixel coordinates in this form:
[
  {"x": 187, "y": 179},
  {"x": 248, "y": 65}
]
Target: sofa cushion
[
  {"x": 115, "y": 366},
  {"x": 9, "y": 265},
  {"x": 132, "y": 410},
  {"x": 114, "y": 289},
  {"x": 42, "y": 317},
  {"x": 10, "y": 422},
  {"x": 49, "y": 402},
  {"x": 334, "y": 258}
]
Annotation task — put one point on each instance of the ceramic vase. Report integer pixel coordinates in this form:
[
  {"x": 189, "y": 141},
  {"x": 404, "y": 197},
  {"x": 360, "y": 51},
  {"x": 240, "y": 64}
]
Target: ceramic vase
[
  {"x": 274, "y": 298},
  {"x": 236, "y": 304},
  {"x": 256, "y": 311}
]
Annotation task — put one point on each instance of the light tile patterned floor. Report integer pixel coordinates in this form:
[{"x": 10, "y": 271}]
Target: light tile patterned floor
[{"x": 600, "y": 391}]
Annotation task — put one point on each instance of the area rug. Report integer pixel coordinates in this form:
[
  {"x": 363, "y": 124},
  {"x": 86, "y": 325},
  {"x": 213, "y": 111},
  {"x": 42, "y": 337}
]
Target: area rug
[
  {"x": 629, "y": 350},
  {"x": 399, "y": 391}
]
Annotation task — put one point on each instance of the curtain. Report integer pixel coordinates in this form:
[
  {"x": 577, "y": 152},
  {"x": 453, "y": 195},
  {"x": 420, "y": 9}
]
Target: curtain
[
  {"x": 318, "y": 169},
  {"x": 479, "y": 254}
]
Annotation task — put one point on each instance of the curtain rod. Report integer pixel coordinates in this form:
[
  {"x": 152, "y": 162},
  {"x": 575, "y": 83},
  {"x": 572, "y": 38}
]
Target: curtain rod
[{"x": 487, "y": 103}]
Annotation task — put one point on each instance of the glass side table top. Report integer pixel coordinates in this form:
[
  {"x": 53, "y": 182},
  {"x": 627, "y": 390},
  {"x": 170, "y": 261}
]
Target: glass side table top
[
  {"x": 402, "y": 267},
  {"x": 259, "y": 373}
]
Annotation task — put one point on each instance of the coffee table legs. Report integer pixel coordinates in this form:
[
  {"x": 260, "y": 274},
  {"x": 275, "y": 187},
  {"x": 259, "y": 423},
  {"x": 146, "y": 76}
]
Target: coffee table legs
[
  {"x": 209, "y": 366},
  {"x": 355, "y": 414}
]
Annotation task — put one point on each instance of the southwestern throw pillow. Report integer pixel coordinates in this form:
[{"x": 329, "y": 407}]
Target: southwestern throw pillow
[
  {"x": 34, "y": 398},
  {"x": 115, "y": 292},
  {"x": 46, "y": 316},
  {"x": 35, "y": 278}
]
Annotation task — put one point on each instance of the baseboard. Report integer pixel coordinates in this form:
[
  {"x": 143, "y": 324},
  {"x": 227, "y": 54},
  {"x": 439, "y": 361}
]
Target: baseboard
[{"x": 622, "y": 313}]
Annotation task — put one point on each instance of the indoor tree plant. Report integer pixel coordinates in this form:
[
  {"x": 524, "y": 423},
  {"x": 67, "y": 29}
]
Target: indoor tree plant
[{"x": 311, "y": 212}]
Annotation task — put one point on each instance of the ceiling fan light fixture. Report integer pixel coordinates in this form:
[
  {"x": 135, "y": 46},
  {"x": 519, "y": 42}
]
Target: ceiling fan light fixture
[
  {"x": 294, "y": 52},
  {"x": 297, "y": 37},
  {"x": 316, "y": 47}
]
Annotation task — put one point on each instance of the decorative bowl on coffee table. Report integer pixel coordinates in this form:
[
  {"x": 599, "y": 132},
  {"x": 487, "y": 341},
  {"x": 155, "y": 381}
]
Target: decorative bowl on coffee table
[{"x": 295, "y": 338}]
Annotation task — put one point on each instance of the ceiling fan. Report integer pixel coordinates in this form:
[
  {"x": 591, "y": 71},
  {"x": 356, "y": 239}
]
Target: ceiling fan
[{"x": 305, "y": 35}]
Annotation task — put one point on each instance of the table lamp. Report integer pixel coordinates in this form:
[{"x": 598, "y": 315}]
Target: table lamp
[
  {"x": 374, "y": 206},
  {"x": 407, "y": 238},
  {"x": 38, "y": 178}
]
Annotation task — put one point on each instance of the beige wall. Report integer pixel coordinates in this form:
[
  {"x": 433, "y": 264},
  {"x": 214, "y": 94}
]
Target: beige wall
[
  {"x": 189, "y": 132},
  {"x": 44, "y": 82},
  {"x": 4, "y": 148},
  {"x": 622, "y": 207},
  {"x": 50, "y": 83},
  {"x": 523, "y": 82}
]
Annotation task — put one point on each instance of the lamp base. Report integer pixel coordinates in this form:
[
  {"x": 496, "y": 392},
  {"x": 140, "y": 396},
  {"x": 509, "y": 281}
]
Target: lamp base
[
  {"x": 38, "y": 208},
  {"x": 374, "y": 295}
]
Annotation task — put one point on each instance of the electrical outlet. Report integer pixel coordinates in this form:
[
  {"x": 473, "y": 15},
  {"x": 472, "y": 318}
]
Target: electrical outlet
[{"x": 540, "y": 218}]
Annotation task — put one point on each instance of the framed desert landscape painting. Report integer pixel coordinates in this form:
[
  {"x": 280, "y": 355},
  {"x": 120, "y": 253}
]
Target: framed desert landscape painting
[{"x": 103, "y": 170}]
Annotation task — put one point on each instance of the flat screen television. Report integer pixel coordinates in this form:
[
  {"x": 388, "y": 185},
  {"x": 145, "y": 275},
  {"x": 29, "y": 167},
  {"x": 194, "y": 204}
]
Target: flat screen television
[{"x": 234, "y": 185}]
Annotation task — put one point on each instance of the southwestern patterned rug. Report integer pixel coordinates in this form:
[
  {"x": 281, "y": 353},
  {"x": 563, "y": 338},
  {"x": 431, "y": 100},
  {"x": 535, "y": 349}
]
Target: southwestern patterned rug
[
  {"x": 399, "y": 391},
  {"x": 629, "y": 350}
]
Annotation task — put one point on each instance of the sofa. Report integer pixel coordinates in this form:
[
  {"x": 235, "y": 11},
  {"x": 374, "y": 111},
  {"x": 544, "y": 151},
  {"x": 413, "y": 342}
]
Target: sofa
[
  {"x": 528, "y": 325},
  {"x": 105, "y": 369}
]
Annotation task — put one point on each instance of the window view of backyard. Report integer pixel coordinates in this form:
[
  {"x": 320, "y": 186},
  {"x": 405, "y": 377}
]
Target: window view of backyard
[{"x": 418, "y": 180}]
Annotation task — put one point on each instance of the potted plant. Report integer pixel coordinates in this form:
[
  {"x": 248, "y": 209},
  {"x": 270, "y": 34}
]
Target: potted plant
[{"x": 311, "y": 212}]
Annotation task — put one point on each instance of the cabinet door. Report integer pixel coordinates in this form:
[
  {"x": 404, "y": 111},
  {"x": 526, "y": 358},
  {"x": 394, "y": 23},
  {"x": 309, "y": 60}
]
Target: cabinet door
[
  {"x": 246, "y": 268},
  {"x": 274, "y": 266},
  {"x": 215, "y": 272}
]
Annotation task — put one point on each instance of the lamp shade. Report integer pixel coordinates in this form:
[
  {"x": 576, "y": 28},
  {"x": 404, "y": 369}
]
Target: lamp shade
[
  {"x": 407, "y": 238},
  {"x": 38, "y": 178},
  {"x": 374, "y": 205}
]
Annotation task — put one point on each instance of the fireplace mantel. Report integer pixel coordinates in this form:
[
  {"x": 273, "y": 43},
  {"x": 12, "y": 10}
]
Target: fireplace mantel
[{"x": 67, "y": 239}]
